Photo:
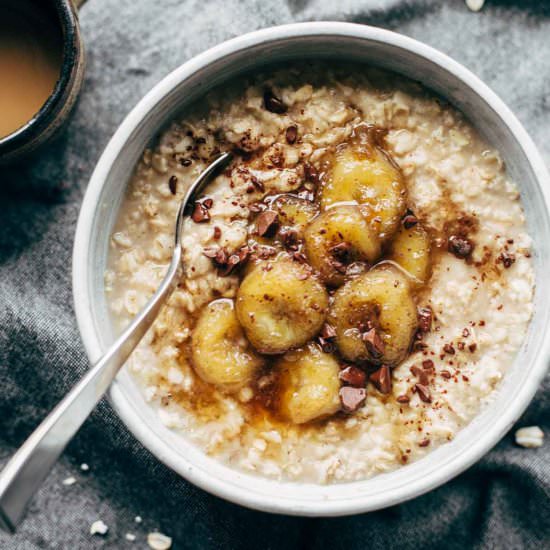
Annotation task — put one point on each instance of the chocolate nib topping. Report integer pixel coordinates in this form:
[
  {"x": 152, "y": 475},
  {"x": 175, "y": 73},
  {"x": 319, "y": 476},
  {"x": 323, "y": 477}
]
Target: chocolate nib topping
[
  {"x": 375, "y": 344},
  {"x": 200, "y": 212},
  {"x": 448, "y": 348},
  {"x": 506, "y": 259},
  {"x": 225, "y": 262},
  {"x": 291, "y": 134},
  {"x": 328, "y": 331},
  {"x": 353, "y": 376},
  {"x": 460, "y": 246},
  {"x": 381, "y": 378},
  {"x": 273, "y": 104},
  {"x": 421, "y": 374},
  {"x": 311, "y": 173},
  {"x": 425, "y": 316},
  {"x": 289, "y": 238},
  {"x": 352, "y": 398},
  {"x": 341, "y": 251},
  {"x": 424, "y": 393},
  {"x": 410, "y": 220},
  {"x": 173, "y": 184},
  {"x": 266, "y": 222}
]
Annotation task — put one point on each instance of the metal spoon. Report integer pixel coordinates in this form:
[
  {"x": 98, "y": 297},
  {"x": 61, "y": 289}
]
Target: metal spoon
[{"x": 24, "y": 473}]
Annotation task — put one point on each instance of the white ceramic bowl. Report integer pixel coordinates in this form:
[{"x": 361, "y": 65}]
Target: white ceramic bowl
[{"x": 190, "y": 81}]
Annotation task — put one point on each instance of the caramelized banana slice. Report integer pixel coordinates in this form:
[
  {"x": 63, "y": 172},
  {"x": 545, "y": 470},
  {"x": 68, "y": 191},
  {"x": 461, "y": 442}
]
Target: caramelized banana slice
[
  {"x": 281, "y": 305},
  {"x": 220, "y": 352},
  {"x": 369, "y": 179},
  {"x": 294, "y": 212},
  {"x": 308, "y": 384},
  {"x": 411, "y": 249},
  {"x": 338, "y": 237},
  {"x": 374, "y": 317}
]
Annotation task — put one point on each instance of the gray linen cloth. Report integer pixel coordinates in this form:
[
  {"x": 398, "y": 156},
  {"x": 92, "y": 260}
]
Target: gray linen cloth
[{"x": 501, "y": 503}]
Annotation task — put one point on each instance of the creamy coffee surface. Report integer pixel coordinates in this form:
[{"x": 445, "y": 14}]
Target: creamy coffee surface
[{"x": 30, "y": 62}]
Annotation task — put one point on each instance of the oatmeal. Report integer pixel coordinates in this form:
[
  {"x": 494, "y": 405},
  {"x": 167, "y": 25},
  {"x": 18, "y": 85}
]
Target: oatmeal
[{"x": 357, "y": 281}]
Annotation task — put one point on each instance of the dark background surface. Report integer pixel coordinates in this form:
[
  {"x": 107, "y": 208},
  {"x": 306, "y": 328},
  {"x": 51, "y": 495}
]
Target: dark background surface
[{"x": 501, "y": 503}]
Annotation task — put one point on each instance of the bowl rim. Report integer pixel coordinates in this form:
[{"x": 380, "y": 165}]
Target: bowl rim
[{"x": 248, "y": 497}]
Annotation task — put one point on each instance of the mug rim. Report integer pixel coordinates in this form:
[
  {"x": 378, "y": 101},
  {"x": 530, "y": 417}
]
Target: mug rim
[
  {"x": 34, "y": 127},
  {"x": 227, "y": 488}
]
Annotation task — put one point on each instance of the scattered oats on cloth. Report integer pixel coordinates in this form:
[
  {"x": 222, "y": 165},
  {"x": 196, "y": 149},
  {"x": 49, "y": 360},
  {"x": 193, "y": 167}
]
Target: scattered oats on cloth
[
  {"x": 98, "y": 528},
  {"x": 530, "y": 437},
  {"x": 158, "y": 541},
  {"x": 475, "y": 5}
]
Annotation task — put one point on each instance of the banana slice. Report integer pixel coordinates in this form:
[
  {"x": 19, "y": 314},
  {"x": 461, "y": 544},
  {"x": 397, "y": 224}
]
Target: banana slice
[
  {"x": 294, "y": 212},
  {"x": 281, "y": 306},
  {"x": 411, "y": 249},
  {"x": 337, "y": 238},
  {"x": 308, "y": 384},
  {"x": 220, "y": 352},
  {"x": 369, "y": 179},
  {"x": 375, "y": 317}
]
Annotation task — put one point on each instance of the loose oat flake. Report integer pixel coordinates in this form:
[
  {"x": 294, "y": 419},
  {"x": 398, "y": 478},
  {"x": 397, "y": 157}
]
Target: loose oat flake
[
  {"x": 530, "y": 437},
  {"x": 98, "y": 528},
  {"x": 475, "y": 5},
  {"x": 158, "y": 541}
]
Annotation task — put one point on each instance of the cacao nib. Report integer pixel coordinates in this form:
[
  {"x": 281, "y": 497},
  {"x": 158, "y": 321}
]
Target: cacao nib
[
  {"x": 266, "y": 222},
  {"x": 311, "y": 173},
  {"x": 328, "y": 331},
  {"x": 352, "y": 398},
  {"x": 428, "y": 364},
  {"x": 506, "y": 259},
  {"x": 200, "y": 213},
  {"x": 289, "y": 238},
  {"x": 424, "y": 393},
  {"x": 461, "y": 247},
  {"x": 381, "y": 378},
  {"x": 291, "y": 134},
  {"x": 425, "y": 316},
  {"x": 173, "y": 184},
  {"x": 374, "y": 343},
  {"x": 421, "y": 374},
  {"x": 410, "y": 220},
  {"x": 353, "y": 376},
  {"x": 448, "y": 348},
  {"x": 273, "y": 104},
  {"x": 341, "y": 251}
]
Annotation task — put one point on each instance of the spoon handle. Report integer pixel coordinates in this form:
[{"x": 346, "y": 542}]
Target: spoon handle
[
  {"x": 24, "y": 473},
  {"x": 28, "y": 467}
]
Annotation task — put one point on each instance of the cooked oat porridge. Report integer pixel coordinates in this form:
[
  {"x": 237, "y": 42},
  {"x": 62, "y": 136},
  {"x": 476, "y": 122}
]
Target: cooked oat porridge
[{"x": 356, "y": 282}]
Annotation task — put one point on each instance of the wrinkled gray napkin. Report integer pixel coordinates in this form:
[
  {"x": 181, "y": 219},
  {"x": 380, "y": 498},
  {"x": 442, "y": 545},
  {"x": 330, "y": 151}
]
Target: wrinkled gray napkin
[{"x": 501, "y": 503}]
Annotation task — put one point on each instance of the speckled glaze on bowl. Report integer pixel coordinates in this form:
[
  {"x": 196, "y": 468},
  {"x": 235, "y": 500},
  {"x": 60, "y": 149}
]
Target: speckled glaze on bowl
[{"x": 189, "y": 82}]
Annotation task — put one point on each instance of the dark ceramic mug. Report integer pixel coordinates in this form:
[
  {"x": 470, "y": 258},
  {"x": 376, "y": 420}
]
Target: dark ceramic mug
[{"x": 47, "y": 122}]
